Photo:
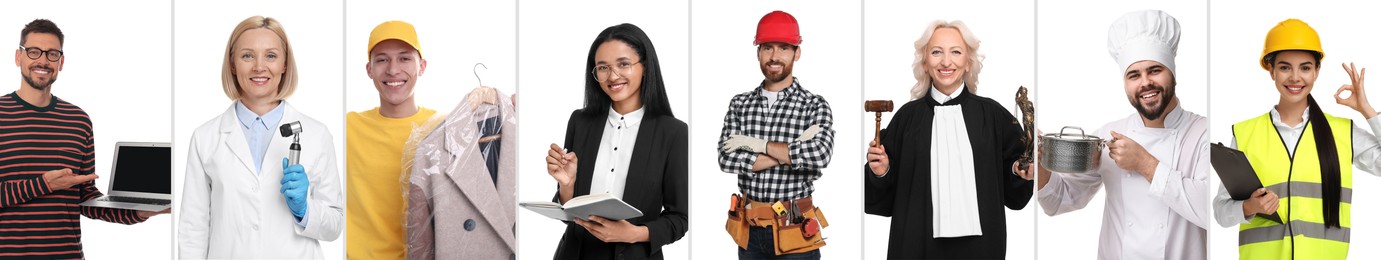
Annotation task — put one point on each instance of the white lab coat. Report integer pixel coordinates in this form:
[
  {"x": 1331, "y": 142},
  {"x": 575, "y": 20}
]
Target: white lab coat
[
  {"x": 228, "y": 211},
  {"x": 1164, "y": 218}
]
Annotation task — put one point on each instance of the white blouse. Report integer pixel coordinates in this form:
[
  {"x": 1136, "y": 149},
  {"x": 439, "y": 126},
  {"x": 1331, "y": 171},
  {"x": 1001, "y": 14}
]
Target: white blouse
[{"x": 615, "y": 150}]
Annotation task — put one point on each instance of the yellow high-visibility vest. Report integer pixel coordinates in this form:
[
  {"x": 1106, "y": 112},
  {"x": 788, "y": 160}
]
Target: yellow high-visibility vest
[{"x": 1296, "y": 179}]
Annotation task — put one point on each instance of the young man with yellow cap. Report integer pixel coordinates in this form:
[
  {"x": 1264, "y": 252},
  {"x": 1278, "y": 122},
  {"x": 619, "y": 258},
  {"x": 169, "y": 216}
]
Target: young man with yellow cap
[
  {"x": 777, "y": 138},
  {"x": 1157, "y": 179},
  {"x": 1301, "y": 162},
  {"x": 374, "y": 144}
]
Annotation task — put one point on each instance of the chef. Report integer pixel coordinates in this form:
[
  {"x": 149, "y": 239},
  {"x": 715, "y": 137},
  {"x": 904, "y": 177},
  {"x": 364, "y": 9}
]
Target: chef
[{"x": 1155, "y": 166}]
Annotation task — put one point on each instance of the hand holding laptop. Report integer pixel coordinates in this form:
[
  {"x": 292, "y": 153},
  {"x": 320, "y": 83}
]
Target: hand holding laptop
[
  {"x": 149, "y": 214},
  {"x": 64, "y": 178}
]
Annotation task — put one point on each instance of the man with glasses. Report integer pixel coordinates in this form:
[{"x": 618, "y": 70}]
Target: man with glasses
[
  {"x": 47, "y": 158},
  {"x": 777, "y": 138}
]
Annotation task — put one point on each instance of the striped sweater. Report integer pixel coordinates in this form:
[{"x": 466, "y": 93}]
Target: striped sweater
[{"x": 35, "y": 221}]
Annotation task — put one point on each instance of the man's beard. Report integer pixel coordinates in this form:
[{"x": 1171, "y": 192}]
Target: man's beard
[
  {"x": 51, "y": 78},
  {"x": 773, "y": 78},
  {"x": 1158, "y": 109}
]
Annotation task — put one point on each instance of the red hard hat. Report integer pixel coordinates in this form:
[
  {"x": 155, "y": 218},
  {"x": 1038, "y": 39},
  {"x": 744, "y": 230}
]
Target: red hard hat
[{"x": 778, "y": 26}]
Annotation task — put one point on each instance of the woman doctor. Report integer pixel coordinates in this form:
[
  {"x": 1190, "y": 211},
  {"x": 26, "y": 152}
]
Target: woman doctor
[{"x": 241, "y": 197}]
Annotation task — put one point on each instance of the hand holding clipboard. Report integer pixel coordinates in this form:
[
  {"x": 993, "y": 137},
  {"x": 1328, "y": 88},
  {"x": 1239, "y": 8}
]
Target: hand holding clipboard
[{"x": 1240, "y": 180}]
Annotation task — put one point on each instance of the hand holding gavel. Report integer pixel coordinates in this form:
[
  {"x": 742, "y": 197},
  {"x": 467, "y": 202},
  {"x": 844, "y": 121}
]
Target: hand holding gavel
[{"x": 877, "y": 106}]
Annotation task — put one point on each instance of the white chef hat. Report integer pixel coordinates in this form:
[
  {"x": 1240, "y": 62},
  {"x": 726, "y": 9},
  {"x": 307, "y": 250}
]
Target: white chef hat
[{"x": 1144, "y": 35}]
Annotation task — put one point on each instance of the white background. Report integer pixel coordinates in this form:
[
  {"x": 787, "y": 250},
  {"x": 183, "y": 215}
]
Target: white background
[
  {"x": 1007, "y": 40},
  {"x": 126, "y": 103},
  {"x": 554, "y": 43},
  {"x": 453, "y": 38},
  {"x": 1243, "y": 90},
  {"x": 726, "y": 64},
  {"x": 1081, "y": 85},
  {"x": 201, "y": 31}
]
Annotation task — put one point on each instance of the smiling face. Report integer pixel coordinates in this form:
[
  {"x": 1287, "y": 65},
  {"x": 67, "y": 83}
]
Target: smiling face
[
  {"x": 947, "y": 59},
  {"x": 1150, "y": 87},
  {"x": 39, "y": 73},
  {"x": 394, "y": 66},
  {"x": 1294, "y": 73},
  {"x": 259, "y": 60},
  {"x": 775, "y": 60},
  {"x": 624, "y": 80}
]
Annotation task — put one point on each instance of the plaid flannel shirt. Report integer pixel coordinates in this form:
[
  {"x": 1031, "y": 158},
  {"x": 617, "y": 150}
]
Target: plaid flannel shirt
[{"x": 795, "y": 110}]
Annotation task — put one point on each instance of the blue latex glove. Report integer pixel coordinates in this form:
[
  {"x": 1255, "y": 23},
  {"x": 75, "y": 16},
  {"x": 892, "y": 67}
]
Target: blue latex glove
[{"x": 294, "y": 189}]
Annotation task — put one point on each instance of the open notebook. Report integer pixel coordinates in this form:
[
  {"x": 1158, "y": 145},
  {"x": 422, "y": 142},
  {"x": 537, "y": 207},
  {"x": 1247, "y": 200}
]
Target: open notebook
[{"x": 600, "y": 204}]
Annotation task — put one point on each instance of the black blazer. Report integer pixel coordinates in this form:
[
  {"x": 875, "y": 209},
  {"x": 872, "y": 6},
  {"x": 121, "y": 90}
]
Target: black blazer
[{"x": 656, "y": 185}]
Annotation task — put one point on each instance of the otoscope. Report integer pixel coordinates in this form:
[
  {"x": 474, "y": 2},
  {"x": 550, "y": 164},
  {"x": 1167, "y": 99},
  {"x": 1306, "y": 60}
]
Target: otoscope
[{"x": 292, "y": 129}]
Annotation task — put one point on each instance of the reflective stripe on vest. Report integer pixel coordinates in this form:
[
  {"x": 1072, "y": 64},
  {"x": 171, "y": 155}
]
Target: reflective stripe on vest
[{"x": 1297, "y": 180}]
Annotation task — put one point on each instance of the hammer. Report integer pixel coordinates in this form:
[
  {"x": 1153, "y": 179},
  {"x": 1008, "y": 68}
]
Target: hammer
[{"x": 877, "y": 106}]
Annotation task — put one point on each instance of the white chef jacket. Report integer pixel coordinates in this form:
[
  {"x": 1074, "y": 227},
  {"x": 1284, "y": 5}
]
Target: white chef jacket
[
  {"x": 1365, "y": 157},
  {"x": 228, "y": 211},
  {"x": 1161, "y": 219}
]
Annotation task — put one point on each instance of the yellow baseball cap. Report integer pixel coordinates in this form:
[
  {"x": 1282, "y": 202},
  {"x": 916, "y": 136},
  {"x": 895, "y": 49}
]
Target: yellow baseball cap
[{"x": 394, "y": 30}]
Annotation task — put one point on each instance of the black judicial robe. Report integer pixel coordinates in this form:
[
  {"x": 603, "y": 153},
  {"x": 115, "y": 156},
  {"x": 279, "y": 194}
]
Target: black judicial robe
[{"x": 904, "y": 193}]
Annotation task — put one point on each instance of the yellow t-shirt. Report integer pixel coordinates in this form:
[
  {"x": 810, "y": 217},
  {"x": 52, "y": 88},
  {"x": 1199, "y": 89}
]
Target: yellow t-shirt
[{"x": 374, "y": 189}]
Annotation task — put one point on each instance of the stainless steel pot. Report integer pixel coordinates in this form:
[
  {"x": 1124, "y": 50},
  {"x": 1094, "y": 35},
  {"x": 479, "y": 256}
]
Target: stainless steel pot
[{"x": 1071, "y": 153}]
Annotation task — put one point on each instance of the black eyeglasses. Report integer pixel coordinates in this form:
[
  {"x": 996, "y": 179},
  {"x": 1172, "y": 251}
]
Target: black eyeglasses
[{"x": 34, "y": 53}]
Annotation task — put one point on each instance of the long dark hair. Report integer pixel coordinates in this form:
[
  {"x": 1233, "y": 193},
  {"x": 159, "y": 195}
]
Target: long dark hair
[
  {"x": 1328, "y": 164},
  {"x": 654, "y": 94},
  {"x": 1327, "y": 148}
]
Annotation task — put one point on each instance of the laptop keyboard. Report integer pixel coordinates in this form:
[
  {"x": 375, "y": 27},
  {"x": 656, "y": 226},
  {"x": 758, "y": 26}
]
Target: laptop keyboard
[{"x": 136, "y": 200}]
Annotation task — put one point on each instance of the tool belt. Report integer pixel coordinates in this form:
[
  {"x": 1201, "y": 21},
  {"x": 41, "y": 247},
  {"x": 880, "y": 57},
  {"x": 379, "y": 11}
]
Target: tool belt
[{"x": 795, "y": 224}]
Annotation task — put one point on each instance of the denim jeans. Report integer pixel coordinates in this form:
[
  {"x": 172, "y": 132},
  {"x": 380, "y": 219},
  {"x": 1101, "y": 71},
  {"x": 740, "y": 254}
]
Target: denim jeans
[{"x": 760, "y": 246}]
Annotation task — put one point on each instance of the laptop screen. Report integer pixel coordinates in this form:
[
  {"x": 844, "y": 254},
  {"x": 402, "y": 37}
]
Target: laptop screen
[{"x": 143, "y": 169}]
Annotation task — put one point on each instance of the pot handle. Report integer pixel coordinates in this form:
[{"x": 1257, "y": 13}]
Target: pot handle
[{"x": 1061, "y": 134}]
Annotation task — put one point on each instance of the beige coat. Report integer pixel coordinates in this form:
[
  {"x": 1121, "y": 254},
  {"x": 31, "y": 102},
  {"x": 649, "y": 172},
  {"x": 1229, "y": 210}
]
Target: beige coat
[{"x": 455, "y": 209}]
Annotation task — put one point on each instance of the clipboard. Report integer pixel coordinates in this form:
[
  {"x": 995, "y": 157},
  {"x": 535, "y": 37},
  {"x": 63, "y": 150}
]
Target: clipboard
[{"x": 1237, "y": 175}]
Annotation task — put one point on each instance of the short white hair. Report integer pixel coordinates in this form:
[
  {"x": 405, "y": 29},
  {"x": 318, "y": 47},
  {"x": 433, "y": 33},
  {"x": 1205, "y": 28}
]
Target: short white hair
[{"x": 918, "y": 67}]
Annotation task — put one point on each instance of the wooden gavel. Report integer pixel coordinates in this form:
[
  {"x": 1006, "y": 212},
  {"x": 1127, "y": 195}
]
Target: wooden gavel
[{"x": 877, "y": 106}]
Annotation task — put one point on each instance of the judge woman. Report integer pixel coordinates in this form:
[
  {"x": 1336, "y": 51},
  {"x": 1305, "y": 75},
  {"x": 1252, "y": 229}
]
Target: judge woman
[
  {"x": 242, "y": 198},
  {"x": 625, "y": 142},
  {"x": 1303, "y": 156},
  {"x": 946, "y": 166}
]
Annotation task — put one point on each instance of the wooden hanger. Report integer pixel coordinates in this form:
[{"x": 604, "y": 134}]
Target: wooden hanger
[{"x": 483, "y": 95}]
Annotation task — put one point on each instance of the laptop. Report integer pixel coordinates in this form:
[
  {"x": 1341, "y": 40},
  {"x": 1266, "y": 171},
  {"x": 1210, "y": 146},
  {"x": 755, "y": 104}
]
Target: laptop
[{"x": 141, "y": 178}]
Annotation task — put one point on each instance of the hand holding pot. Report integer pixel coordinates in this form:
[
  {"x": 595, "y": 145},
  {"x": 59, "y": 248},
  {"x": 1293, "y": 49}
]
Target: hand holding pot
[{"x": 1130, "y": 156}]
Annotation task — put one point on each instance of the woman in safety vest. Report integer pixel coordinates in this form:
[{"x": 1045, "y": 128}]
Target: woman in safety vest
[{"x": 1301, "y": 156}]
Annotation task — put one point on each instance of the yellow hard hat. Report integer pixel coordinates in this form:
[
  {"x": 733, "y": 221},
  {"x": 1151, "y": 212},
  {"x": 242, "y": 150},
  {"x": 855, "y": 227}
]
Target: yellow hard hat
[{"x": 1291, "y": 34}]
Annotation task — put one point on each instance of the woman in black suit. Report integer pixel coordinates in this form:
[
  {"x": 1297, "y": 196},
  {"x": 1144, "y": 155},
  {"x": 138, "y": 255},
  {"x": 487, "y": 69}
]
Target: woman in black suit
[{"x": 625, "y": 134}]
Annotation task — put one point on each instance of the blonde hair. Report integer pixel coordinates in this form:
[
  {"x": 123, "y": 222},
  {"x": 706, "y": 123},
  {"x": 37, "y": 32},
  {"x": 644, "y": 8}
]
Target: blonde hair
[
  {"x": 918, "y": 67},
  {"x": 232, "y": 86}
]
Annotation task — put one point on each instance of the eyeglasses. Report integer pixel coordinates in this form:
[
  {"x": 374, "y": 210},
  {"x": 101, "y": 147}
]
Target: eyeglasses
[
  {"x": 34, "y": 53},
  {"x": 602, "y": 72}
]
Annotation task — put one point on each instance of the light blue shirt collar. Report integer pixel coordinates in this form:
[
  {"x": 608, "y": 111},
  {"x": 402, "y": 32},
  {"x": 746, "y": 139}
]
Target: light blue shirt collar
[{"x": 268, "y": 120}]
